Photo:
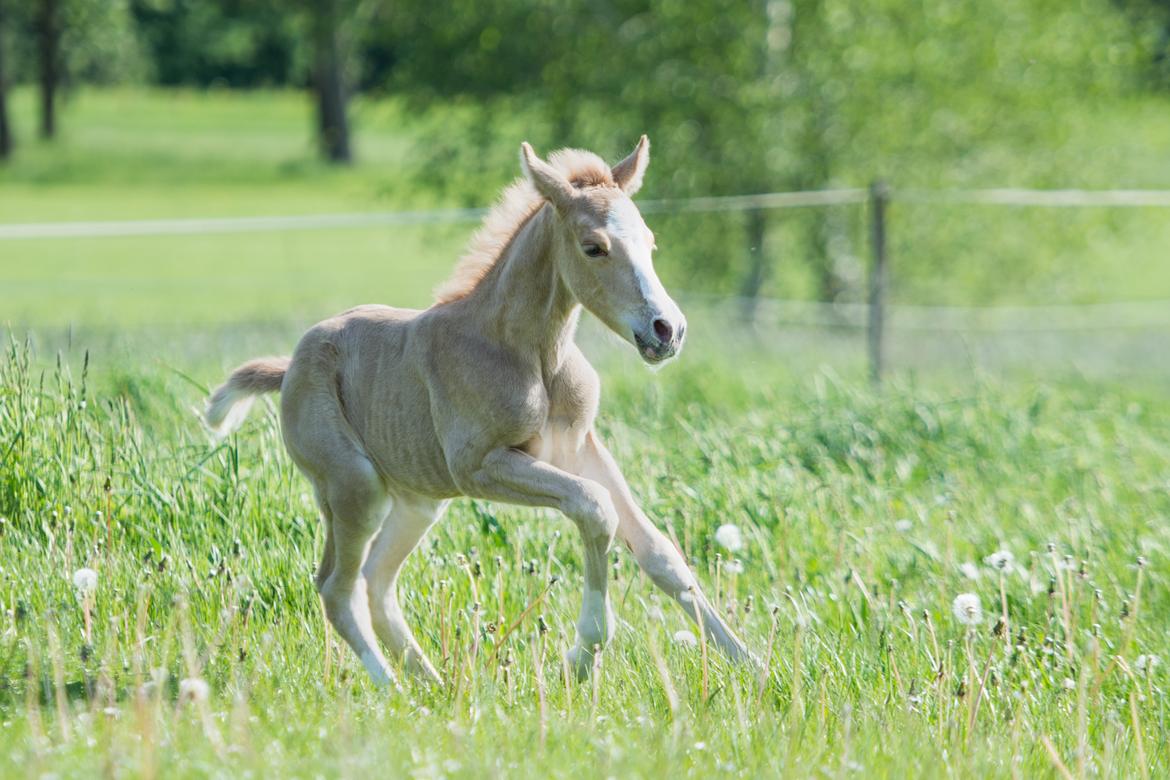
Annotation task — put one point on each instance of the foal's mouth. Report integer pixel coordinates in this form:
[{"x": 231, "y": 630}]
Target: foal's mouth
[{"x": 652, "y": 353}]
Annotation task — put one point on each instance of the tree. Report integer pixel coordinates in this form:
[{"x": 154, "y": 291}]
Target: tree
[
  {"x": 5, "y": 127},
  {"x": 256, "y": 43},
  {"x": 48, "y": 35},
  {"x": 329, "y": 81}
]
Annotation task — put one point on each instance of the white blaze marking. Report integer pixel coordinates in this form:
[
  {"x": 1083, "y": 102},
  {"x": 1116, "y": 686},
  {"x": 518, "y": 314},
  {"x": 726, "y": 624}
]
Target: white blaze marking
[{"x": 624, "y": 224}]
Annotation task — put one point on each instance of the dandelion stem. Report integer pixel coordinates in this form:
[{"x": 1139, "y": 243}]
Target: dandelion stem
[
  {"x": 1137, "y": 735},
  {"x": 979, "y": 695},
  {"x": 1007, "y": 626},
  {"x": 765, "y": 671},
  {"x": 664, "y": 676},
  {"x": 702, "y": 637},
  {"x": 1056, "y": 760},
  {"x": 540, "y": 692},
  {"x": 55, "y": 657},
  {"x": 516, "y": 624}
]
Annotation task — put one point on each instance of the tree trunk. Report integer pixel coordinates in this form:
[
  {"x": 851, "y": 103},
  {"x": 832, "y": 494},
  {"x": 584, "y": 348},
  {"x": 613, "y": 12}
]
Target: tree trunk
[
  {"x": 755, "y": 232},
  {"x": 830, "y": 284},
  {"x": 5, "y": 128},
  {"x": 329, "y": 83},
  {"x": 48, "y": 26}
]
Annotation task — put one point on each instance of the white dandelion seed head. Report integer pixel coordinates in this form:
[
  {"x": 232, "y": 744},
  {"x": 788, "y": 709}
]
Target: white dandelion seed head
[
  {"x": 1145, "y": 664},
  {"x": 193, "y": 690},
  {"x": 729, "y": 537},
  {"x": 967, "y": 609},
  {"x": 685, "y": 638},
  {"x": 85, "y": 580},
  {"x": 903, "y": 526},
  {"x": 970, "y": 571},
  {"x": 1000, "y": 559},
  {"x": 733, "y": 567}
]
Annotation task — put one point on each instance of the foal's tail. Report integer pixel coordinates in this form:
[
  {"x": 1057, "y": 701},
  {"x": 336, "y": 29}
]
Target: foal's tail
[{"x": 229, "y": 404}]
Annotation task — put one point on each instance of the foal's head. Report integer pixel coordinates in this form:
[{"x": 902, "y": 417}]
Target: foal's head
[{"x": 606, "y": 252}]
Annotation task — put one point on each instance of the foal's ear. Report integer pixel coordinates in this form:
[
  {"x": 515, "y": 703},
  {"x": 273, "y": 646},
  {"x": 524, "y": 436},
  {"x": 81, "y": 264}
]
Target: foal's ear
[
  {"x": 629, "y": 172},
  {"x": 548, "y": 181}
]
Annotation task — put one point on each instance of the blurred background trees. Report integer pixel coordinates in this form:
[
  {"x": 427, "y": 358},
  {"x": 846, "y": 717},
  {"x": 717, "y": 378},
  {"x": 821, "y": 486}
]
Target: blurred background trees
[{"x": 737, "y": 97}]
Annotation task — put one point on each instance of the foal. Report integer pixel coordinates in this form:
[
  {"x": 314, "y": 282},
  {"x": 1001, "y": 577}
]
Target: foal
[{"x": 390, "y": 413}]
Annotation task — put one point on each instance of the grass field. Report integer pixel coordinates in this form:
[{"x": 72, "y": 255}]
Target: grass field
[
  {"x": 864, "y": 516},
  {"x": 201, "y": 649}
]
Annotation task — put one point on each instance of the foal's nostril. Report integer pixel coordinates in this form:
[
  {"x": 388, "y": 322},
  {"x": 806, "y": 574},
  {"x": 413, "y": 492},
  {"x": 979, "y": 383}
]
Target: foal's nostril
[{"x": 663, "y": 330}]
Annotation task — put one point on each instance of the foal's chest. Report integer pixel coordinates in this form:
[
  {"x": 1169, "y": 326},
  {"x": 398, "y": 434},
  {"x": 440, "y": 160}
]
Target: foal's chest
[{"x": 573, "y": 395}]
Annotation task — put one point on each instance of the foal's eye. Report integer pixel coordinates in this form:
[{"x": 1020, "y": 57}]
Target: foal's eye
[{"x": 593, "y": 250}]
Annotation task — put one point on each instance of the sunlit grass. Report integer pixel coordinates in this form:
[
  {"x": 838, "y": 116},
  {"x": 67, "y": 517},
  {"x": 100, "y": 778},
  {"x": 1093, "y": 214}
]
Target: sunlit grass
[{"x": 863, "y": 516}]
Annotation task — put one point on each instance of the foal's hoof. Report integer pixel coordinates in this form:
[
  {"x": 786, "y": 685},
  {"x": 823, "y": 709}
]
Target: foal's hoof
[
  {"x": 426, "y": 676},
  {"x": 741, "y": 656},
  {"x": 581, "y": 659},
  {"x": 422, "y": 670}
]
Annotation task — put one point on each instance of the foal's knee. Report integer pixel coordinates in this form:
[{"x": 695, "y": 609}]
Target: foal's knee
[{"x": 595, "y": 514}]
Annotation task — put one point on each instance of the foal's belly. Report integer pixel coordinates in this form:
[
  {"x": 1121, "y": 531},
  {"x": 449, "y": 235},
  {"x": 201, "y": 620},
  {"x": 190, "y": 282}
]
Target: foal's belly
[
  {"x": 399, "y": 435},
  {"x": 388, "y": 406}
]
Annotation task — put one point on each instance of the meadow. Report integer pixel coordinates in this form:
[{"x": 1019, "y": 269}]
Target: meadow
[{"x": 159, "y": 617}]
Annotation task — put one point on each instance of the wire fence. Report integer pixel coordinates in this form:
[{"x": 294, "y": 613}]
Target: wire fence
[
  {"x": 1106, "y": 335},
  {"x": 1098, "y": 340},
  {"x": 760, "y": 202}
]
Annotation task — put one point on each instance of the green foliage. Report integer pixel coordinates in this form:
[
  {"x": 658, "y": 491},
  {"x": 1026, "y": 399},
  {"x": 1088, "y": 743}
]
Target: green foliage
[
  {"x": 760, "y": 96},
  {"x": 99, "y": 42},
  {"x": 220, "y": 42}
]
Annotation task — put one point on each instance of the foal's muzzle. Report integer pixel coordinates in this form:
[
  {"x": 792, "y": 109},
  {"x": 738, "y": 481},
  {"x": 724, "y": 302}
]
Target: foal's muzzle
[{"x": 662, "y": 340}]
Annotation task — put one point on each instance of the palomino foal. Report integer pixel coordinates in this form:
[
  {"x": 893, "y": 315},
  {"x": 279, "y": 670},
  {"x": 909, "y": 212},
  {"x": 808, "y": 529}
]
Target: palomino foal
[{"x": 390, "y": 413}]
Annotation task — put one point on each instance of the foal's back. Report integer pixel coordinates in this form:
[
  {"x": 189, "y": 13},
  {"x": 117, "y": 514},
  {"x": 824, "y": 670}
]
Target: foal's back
[{"x": 348, "y": 373}]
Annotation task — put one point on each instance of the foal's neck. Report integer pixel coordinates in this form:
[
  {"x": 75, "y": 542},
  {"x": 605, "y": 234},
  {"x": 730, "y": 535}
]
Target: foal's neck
[{"x": 523, "y": 302}]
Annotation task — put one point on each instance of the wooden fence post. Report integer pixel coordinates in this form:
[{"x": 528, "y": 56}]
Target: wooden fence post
[{"x": 879, "y": 198}]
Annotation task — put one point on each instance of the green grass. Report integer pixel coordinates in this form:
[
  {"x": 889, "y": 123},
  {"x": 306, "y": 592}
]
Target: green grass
[{"x": 858, "y": 509}]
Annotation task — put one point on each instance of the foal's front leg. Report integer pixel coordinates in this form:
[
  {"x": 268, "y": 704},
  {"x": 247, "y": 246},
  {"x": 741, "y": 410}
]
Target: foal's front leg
[
  {"x": 507, "y": 474},
  {"x": 656, "y": 554}
]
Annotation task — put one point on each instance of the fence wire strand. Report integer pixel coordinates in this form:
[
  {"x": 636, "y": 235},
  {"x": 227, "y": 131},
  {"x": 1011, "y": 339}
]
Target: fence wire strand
[{"x": 759, "y": 202}]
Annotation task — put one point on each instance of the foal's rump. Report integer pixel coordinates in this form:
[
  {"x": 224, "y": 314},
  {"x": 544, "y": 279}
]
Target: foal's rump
[{"x": 230, "y": 402}]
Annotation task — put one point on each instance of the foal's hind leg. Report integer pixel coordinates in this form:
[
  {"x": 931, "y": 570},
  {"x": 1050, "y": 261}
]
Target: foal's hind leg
[
  {"x": 354, "y": 504},
  {"x": 401, "y": 532}
]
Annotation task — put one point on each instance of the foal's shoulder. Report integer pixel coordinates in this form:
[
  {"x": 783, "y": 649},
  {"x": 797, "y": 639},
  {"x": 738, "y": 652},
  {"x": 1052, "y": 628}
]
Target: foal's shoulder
[{"x": 576, "y": 383}]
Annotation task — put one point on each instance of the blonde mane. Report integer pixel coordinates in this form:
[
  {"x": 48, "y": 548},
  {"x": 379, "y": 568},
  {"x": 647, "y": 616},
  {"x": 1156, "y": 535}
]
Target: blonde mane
[{"x": 518, "y": 203}]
